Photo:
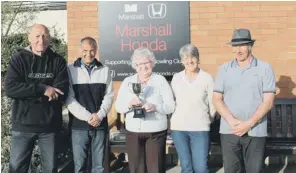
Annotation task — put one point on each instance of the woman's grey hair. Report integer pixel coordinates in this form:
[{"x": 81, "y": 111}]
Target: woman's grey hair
[
  {"x": 189, "y": 50},
  {"x": 143, "y": 52}
]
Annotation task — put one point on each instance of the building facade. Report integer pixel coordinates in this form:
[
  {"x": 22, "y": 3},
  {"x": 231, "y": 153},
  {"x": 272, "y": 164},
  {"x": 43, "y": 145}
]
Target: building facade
[{"x": 272, "y": 24}]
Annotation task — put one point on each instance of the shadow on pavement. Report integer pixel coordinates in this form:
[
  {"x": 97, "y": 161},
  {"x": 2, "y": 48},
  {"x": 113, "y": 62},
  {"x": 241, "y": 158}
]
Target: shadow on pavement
[
  {"x": 273, "y": 168},
  {"x": 291, "y": 168}
]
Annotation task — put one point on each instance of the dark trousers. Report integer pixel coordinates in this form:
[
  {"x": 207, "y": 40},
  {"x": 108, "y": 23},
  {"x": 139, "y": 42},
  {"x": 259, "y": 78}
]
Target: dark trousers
[
  {"x": 22, "y": 145},
  {"x": 107, "y": 155},
  {"x": 243, "y": 154},
  {"x": 146, "y": 152}
]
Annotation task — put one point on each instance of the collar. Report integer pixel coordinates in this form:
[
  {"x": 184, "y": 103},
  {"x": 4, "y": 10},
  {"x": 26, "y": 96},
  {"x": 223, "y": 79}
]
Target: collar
[
  {"x": 253, "y": 63},
  {"x": 135, "y": 77},
  {"x": 183, "y": 75},
  {"x": 87, "y": 66},
  {"x": 79, "y": 63},
  {"x": 46, "y": 52}
]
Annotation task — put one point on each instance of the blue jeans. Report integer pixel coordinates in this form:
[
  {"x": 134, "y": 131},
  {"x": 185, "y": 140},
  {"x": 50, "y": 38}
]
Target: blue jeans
[
  {"x": 82, "y": 141},
  {"x": 192, "y": 148},
  {"x": 22, "y": 145}
]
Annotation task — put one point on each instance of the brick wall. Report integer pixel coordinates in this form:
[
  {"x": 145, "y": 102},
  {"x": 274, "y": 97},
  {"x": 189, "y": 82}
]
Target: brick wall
[
  {"x": 82, "y": 21},
  {"x": 272, "y": 24}
]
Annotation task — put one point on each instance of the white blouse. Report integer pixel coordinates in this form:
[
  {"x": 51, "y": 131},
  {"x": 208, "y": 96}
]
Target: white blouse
[
  {"x": 157, "y": 92},
  {"x": 194, "y": 108}
]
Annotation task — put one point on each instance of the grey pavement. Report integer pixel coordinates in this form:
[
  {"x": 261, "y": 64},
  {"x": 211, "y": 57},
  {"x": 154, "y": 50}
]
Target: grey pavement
[
  {"x": 276, "y": 164},
  {"x": 269, "y": 169}
]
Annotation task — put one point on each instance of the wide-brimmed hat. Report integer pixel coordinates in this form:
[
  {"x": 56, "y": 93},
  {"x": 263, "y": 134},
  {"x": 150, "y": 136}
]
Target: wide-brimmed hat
[{"x": 241, "y": 36}]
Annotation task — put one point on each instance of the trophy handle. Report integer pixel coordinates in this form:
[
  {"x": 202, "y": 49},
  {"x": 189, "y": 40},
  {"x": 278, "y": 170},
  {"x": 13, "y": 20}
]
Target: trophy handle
[{"x": 130, "y": 87}]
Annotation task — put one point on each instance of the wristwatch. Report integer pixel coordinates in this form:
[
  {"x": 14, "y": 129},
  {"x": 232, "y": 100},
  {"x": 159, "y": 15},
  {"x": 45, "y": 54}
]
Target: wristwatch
[{"x": 250, "y": 125}]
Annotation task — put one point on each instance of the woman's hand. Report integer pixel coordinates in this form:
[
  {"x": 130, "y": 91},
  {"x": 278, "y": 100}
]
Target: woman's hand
[
  {"x": 135, "y": 102},
  {"x": 149, "y": 107}
]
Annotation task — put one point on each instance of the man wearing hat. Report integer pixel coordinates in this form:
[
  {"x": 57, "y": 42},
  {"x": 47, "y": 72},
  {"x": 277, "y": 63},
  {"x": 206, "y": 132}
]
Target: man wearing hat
[{"x": 244, "y": 92}]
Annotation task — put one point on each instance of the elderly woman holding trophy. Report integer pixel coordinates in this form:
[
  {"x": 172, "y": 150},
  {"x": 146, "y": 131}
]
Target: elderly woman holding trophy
[{"x": 145, "y": 98}]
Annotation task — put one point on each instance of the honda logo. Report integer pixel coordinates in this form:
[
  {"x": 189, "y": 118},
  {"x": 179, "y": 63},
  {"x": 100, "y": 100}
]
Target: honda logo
[{"x": 157, "y": 10}]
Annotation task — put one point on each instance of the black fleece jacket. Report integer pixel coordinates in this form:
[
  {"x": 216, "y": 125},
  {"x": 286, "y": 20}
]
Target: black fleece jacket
[{"x": 26, "y": 79}]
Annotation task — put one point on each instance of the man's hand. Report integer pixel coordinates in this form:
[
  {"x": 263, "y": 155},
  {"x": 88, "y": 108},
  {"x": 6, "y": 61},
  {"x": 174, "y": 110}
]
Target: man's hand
[
  {"x": 233, "y": 122},
  {"x": 242, "y": 128},
  {"x": 52, "y": 93},
  {"x": 135, "y": 102},
  {"x": 94, "y": 121},
  {"x": 149, "y": 107}
]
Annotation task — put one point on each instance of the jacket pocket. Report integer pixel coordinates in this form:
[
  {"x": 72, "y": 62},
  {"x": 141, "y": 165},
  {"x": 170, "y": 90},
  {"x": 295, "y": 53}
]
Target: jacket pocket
[
  {"x": 37, "y": 113},
  {"x": 19, "y": 109}
]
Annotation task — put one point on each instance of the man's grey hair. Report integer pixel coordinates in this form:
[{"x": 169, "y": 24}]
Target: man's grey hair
[
  {"x": 143, "y": 52},
  {"x": 90, "y": 40},
  {"x": 189, "y": 50},
  {"x": 29, "y": 29},
  {"x": 250, "y": 46}
]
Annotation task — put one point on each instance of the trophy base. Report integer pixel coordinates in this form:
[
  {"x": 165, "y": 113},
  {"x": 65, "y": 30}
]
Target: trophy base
[{"x": 139, "y": 112}]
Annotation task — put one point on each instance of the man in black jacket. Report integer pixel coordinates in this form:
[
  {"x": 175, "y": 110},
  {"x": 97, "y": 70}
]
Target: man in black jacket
[{"x": 37, "y": 80}]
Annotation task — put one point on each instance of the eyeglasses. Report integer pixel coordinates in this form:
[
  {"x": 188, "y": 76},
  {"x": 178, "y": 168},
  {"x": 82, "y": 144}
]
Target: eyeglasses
[{"x": 143, "y": 64}]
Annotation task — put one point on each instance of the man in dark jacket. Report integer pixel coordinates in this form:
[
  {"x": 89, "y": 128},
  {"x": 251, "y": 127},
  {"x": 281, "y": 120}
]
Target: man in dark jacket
[{"x": 37, "y": 80}]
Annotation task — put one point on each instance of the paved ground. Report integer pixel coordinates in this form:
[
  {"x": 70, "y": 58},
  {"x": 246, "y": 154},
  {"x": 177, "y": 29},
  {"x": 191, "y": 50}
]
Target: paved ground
[
  {"x": 268, "y": 169},
  {"x": 215, "y": 165},
  {"x": 271, "y": 169}
]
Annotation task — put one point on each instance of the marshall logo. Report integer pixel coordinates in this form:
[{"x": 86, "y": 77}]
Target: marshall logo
[
  {"x": 130, "y": 8},
  {"x": 157, "y": 10},
  {"x": 131, "y": 13},
  {"x": 40, "y": 75}
]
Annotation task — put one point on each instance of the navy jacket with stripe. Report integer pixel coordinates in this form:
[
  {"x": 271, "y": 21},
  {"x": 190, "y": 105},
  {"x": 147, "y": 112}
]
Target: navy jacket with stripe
[{"x": 88, "y": 94}]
